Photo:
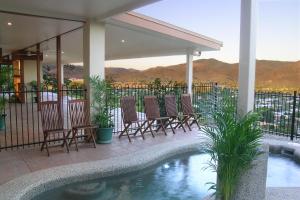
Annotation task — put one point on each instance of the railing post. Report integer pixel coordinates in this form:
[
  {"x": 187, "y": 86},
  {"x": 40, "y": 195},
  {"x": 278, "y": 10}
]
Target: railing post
[
  {"x": 215, "y": 96},
  {"x": 293, "y": 115}
]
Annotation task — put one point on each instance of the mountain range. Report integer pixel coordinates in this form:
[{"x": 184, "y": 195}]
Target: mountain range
[{"x": 273, "y": 74}]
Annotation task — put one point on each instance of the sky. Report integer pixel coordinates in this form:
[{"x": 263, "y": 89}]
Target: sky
[{"x": 278, "y": 29}]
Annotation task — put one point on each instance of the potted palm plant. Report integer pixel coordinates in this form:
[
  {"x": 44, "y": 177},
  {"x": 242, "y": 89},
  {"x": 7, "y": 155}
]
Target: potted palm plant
[
  {"x": 233, "y": 143},
  {"x": 2, "y": 114},
  {"x": 100, "y": 109}
]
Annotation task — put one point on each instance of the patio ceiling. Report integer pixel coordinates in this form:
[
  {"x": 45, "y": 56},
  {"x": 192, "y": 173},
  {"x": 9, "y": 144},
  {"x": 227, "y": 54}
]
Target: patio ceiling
[
  {"x": 125, "y": 40},
  {"x": 146, "y": 37},
  {"x": 128, "y": 35},
  {"x": 26, "y": 30}
]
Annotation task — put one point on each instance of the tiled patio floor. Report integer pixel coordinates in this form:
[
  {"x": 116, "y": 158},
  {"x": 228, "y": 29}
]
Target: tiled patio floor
[{"x": 19, "y": 162}]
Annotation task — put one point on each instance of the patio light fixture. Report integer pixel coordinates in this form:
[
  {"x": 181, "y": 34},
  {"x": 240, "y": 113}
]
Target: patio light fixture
[
  {"x": 9, "y": 23},
  {"x": 197, "y": 53}
]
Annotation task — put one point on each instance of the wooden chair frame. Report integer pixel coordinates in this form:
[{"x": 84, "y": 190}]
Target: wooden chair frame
[
  {"x": 129, "y": 117},
  {"x": 153, "y": 115},
  {"x": 188, "y": 111},
  {"x": 52, "y": 123},
  {"x": 80, "y": 120},
  {"x": 172, "y": 112}
]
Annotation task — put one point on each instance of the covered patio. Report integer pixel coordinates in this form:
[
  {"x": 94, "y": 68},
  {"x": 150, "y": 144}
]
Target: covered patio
[
  {"x": 36, "y": 32},
  {"x": 90, "y": 43}
]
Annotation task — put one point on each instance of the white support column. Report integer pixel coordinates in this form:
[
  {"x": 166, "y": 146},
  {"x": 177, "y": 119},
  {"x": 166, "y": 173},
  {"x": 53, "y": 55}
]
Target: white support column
[
  {"x": 247, "y": 56},
  {"x": 93, "y": 51},
  {"x": 189, "y": 72}
]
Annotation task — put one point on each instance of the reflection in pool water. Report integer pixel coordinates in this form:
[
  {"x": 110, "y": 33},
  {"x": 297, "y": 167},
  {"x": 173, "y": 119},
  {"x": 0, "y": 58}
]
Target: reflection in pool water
[{"x": 176, "y": 179}]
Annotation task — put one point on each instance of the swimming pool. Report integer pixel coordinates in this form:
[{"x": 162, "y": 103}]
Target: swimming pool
[{"x": 177, "y": 178}]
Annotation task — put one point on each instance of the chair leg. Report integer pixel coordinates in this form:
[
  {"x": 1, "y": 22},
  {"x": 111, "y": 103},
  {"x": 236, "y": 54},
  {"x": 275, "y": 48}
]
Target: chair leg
[
  {"x": 67, "y": 136},
  {"x": 74, "y": 133},
  {"x": 65, "y": 141},
  {"x": 127, "y": 133},
  {"x": 75, "y": 139},
  {"x": 45, "y": 139},
  {"x": 124, "y": 130},
  {"x": 92, "y": 136},
  {"x": 187, "y": 123},
  {"x": 196, "y": 122},
  {"x": 149, "y": 127},
  {"x": 163, "y": 126},
  {"x": 180, "y": 124},
  {"x": 46, "y": 143},
  {"x": 139, "y": 129},
  {"x": 169, "y": 123},
  {"x": 159, "y": 127},
  {"x": 71, "y": 140}
]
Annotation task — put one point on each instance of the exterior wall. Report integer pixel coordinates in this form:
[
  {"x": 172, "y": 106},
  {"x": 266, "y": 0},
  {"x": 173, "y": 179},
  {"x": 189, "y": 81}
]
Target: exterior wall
[{"x": 29, "y": 71}]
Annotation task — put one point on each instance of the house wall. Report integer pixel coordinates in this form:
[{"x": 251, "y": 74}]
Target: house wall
[{"x": 30, "y": 71}]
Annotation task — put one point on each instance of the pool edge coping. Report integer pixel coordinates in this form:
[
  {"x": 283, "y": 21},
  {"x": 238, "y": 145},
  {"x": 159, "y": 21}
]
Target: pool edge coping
[
  {"x": 278, "y": 147},
  {"x": 30, "y": 185}
]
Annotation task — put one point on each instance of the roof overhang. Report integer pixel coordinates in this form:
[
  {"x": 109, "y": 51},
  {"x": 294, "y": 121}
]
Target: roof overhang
[
  {"x": 73, "y": 10},
  {"x": 148, "y": 37}
]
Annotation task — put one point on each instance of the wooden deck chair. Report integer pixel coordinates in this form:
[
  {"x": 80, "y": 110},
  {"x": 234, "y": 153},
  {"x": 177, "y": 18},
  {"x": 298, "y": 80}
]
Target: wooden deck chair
[
  {"x": 80, "y": 120},
  {"x": 172, "y": 113},
  {"x": 52, "y": 123},
  {"x": 129, "y": 117},
  {"x": 153, "y": 115},
  {"x": 188, "y": 111}
]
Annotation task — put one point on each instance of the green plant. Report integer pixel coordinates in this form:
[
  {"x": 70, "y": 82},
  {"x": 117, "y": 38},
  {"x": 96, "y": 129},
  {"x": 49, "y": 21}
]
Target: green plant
[
  {"x": 33, "y": 85},
  {"x": 2, "y": 105},
  {"x": 101, "y": 103},
  {"x": 50, "y": 82},
  {"x": 233, "y": 144},
  {"x": 268, "y": 115},
  {"x": 6, "y": 77},
  {"x": 160, "y": 89}
]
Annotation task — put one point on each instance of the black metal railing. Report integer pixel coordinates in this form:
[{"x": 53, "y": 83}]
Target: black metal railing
[
  {"x": 280, "y": 113},
  {"x": 22, "y": 123}
]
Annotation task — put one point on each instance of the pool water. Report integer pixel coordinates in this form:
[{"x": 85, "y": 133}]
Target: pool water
[
  {"x": 175, "y": 179},
  {"x": 283, "y": 171}
]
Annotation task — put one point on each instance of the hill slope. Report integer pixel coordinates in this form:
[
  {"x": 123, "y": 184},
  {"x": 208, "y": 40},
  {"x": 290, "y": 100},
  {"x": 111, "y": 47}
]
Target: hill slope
[{"x": 268, "y": 73}]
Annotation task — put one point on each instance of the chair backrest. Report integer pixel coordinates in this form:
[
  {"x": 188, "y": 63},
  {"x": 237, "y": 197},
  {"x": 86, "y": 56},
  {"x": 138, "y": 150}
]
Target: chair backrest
[
  {"x": 151, "y": 107},
  {"x": 51, "y": 116},
  {"x": 79, "y": 113},
  {"x": 186, "y": 103},
  {"x": 128, "y": 109},
  {"x": 171, "y": 106}
]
